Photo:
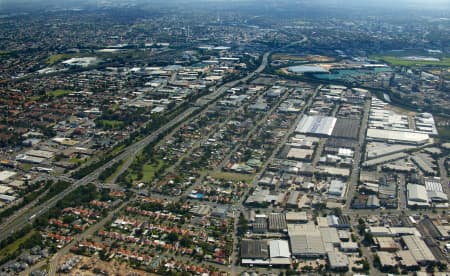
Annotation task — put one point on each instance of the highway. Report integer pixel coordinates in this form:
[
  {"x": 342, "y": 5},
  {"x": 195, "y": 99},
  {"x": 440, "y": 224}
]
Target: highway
[{"x": 19, "y": 222}]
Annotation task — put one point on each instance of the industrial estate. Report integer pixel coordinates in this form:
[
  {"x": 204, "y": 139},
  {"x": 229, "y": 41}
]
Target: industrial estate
[{"x": 198, "y": 139}]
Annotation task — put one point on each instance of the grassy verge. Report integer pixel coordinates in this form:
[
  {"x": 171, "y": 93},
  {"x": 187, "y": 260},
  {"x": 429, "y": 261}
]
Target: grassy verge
[
  {"x": 110, "y": 124},
  {"x": 57, "y": 58},
  {"x": 109, "y": 172},
  {"x": 11, "y": 248},
  {"x": 116, "y": 150},
  {"x": 59, "y": 92},
  {"x": 149, "y": 170},
  {"x": 116, "y": 172},
  {"x": 232, "y": 176},
  {"x": 76, "y": 161}
]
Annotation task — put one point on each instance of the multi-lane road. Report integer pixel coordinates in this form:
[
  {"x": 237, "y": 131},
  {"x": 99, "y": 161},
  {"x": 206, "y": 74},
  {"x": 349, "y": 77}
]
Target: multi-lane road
[{"x": 14, "y": 225}]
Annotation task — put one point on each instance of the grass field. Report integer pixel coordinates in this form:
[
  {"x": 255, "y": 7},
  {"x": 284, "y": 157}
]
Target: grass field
[
  {"x": 13, "y": 247},
  {"x": 35, "y": 98},
  {"x": 57, "y": 58},
  {"x": 59, "y": 92},
  {"x": 75, "y": 160},
  {"x": 26, "y": 167},
  {"x": 111, "y": 124},
  {"x": 232, "y": 176},
  {"x": 399, "y": 61},
  {"x": 149, "y": 170}
]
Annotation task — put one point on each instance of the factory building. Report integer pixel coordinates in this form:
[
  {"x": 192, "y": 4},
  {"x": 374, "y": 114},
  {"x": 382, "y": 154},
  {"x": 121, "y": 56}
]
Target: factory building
[
  {"x": 316, "y": 125},
  {"x": 417, "y": 195}
]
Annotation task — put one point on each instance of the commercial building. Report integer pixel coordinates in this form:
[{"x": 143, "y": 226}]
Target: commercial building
[
  {"x": 338, "y": 261},
  {"x": 263, "y": 252},
  {"x": 435, "y": 191},
  {"x": 407, "y": 260},
  {"x": 254, "y": 252},
  {"x": 296, "y": 217},
  {"x": 333, "y": 171},
  {"x": 316, "y": 125},
  {"x": 292, "y": 201},
  {"x": 384, "y": 159},
  {"x": 417, "y": 195},
  {"x": 394, "y": 136},
  {"x": 349, "y": 246},
  {"x": 300, "y": 154},
  {"x": 40, "y": 154},
  {"x": 277, "y": 222},
  {"x": 306, "y": 241},
  {"x": 279, "y": 252},
  {"x": 330, "y": 238},
  {"x": 346, "y": 128},
  {"x": 260, "y": 224},
  {"x": 6, "y": 175},
  {"x": 420, "y": 251},
  {"x": 6, "y": 189},
  {"x": 386, "y": 244},
  {"x": 424, "y": 164},
  {"x": 387, "y": 260},
  {"x": 7, "y": 198},
  {"x": 382, "y": 231},
  {"x": 337, "y": 188},
  {"x": 377, "y": 150},
  {"x": 340, "y": 222}
]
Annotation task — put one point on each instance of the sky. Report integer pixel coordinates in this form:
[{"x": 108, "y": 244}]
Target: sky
[{"x": 336, "y": 4}]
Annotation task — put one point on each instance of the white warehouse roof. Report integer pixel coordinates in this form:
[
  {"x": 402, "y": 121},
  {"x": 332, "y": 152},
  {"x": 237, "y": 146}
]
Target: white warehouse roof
[
  {"x": 320, "y": 125},
  {"x": 407, "y": 137},
  {"x": 417, "y": 193},
  {"x": 5, "y": 175},
  {"x": 279, "y": 249}
]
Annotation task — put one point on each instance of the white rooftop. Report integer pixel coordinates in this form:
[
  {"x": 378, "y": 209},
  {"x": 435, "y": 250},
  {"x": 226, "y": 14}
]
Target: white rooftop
[{"x": 320, "y": 125}]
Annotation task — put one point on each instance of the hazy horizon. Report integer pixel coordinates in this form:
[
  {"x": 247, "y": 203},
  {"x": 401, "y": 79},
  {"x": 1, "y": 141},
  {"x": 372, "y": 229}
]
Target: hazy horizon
[{"x": 339, "y": 4}]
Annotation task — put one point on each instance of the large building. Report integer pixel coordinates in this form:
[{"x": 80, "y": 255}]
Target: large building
[
  {"x": 417, "y": 195},
  {"x": 279, "y": 252},
  {"x": 394, "y": 136},
  {"x": 338, "y": 261},
  {"x": 316, "y": 125},
  {"x": 420, "y": 251},
  {"x": 306, "y": 241},
  {"x": 337, "y": 188},
  {"x": 435, "y": 191},
  {"x": 254, "y": 252},
  {"x": 263, "y": 252}
]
